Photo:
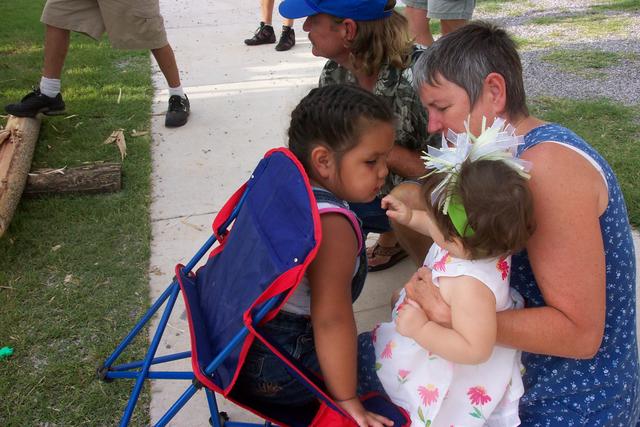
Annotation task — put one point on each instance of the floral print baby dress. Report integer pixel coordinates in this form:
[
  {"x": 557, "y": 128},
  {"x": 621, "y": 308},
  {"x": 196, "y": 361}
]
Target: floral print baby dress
[{"x": 437, "y": 392}]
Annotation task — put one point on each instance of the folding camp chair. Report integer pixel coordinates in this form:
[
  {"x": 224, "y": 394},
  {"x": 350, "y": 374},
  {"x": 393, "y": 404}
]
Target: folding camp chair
[{"x": 268, "y": 233}]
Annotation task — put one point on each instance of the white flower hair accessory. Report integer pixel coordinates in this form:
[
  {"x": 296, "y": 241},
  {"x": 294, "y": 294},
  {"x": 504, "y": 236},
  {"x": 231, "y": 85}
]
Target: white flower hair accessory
[{"x": 497, "y": 143}]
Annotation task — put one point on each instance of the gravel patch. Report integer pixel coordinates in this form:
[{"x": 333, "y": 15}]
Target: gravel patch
[{"x": 620, "y": 83}]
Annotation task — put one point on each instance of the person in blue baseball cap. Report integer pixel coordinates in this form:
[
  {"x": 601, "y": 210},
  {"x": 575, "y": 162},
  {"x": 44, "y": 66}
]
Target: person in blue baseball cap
[
  {"x": 359, "y": 10},
  {"x": 368, "y": 44}
]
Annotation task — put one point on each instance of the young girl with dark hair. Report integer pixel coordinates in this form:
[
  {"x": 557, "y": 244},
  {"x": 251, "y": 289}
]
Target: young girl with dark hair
[
  {"x": 342, "y": 135},
  {"x": 479, "y": 213}
]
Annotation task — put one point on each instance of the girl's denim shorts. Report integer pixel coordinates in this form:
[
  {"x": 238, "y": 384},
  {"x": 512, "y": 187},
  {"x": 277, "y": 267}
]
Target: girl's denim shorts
[{"x": 265, "y": 377}]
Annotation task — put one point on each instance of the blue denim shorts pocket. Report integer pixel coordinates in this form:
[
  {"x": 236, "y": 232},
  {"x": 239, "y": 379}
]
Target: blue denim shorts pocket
[
  {"x": 253, "y": 366},
  {"x": 266, "y": 377}
]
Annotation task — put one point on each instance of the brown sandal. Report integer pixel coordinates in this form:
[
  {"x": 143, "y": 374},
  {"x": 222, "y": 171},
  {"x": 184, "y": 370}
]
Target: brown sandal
[{"x": 394, "y": 253}]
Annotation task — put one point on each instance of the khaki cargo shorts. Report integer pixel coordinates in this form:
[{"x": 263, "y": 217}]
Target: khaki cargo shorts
[
  {"x": 130, "y": 24},
  {"x": 445, "y": 9}
]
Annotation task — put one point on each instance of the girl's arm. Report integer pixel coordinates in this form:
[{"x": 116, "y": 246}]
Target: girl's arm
[
  {"x": 473, "y": 316},
  {"x": 334, "y": 326}
]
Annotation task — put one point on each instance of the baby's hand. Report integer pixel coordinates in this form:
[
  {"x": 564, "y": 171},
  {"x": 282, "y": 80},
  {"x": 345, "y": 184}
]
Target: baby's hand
[
  {"x": 411, "y": 318},
  {"x": 396, "y": 210}
]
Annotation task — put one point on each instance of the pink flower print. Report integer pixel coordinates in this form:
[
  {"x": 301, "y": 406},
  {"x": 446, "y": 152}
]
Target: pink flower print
[
  {"x": 402, "y": 375},
  {"x": 428, "y": 394},
  {"x": 503, "y": 267},
  {"x": 387, "y": 353},
  {"x": 440, "y": 265},
  {"x": 478, "y": 395}
]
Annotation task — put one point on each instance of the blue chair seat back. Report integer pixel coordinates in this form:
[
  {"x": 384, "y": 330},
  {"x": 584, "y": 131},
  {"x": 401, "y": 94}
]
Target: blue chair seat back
[{"x": 272, "y": 237}]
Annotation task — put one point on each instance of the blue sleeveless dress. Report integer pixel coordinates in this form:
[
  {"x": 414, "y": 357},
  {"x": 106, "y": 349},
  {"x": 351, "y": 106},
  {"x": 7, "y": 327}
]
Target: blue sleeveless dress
[{"x": 605, "y": 390}]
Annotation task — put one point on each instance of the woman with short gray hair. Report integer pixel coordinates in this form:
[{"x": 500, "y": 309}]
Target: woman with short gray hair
[{"x": 577, "y": 274}]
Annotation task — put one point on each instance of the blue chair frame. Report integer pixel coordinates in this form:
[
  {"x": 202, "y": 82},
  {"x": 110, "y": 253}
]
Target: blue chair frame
[
  {"x": 140, "y": 369},
  {"x": 283, "y": 250}
]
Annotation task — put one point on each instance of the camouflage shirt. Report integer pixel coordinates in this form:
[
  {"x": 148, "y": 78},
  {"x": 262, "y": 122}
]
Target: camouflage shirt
[{"x": 396, "y": 87}]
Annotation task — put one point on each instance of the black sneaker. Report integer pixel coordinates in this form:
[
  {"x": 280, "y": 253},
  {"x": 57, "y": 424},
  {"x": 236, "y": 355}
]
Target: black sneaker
[
  {"x": 287, "y": 39},
  {"x": 35, "y": 102},
  {"x": 178, "y": 111},
  {"x": 263, "y": 35}
]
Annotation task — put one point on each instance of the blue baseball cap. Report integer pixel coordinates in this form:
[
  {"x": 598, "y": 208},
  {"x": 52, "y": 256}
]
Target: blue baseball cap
[{"x": 358, "y": 10}]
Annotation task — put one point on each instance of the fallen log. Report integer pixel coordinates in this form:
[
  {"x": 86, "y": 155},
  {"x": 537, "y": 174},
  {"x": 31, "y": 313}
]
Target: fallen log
[
  {"x": 86, "y": 179},
  {"x": 17, "y": 144}
]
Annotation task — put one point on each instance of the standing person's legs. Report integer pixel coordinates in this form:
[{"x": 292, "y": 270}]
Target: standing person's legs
[
  {"x": 167, "y": 62},
  {"x": 265, "y": 33},
  {"x": 453, "y": 14},
  {"x": 46, "y": 98},
  {"x": 56, "y": 47},
  {"x": 266, "y": 11},
  {"x": 287, "y": 37},
  {"x": 60, "y": 18},
  {"x": 416, "y": 14},
  {"x": 141, "y": 26},
  {"x": 179, "y": 106}
]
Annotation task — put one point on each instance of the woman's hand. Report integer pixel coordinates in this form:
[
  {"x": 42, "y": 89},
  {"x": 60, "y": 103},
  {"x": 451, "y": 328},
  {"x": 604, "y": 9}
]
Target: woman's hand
[
  {"x": 363, "y": 417},
  {"x": 396, "y": 210},
  {"x": 421, "y": 289}
]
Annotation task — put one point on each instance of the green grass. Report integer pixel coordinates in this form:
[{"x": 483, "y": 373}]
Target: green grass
[
  {"x": 592, "y": 24},
  {"x": 587, "y": 63},
  {"x": 491, "y": 6},
  {"x": 436, "y": 28},
  {"x": 500, "y": 6},
  {"x": 73, "y": 270},
  {"x": 618, "y": 5},
  {"x": 533, "y": 44},
  {"x": 612, "y": 129}
]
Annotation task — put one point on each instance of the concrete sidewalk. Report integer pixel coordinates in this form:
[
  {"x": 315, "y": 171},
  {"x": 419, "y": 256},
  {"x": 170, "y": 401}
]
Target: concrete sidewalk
[{"x": 241, "y": 98}]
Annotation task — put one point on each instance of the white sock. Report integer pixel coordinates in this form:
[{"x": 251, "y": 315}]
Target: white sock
[
  {"x": 176, "y": 91},
  {"x": 49, "y": 87}
]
